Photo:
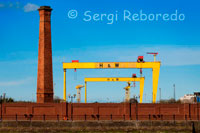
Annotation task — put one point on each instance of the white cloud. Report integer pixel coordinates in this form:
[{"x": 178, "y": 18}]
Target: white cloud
[
  {"x": 170, "y": 55},
  {"x": 15, "y": 83},
  {"x": 178, "y": 55},
  {"x": 13, "y": 5},
  {"x": 17, "y": 62},
  {"x": 1, "y": 5},
  {"x": 29, "y": 7}
]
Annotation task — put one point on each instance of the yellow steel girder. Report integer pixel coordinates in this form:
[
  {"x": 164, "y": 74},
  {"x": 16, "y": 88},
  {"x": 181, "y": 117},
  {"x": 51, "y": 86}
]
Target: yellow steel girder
[
  {"x": 116, "y": 79},
  {"x": 103, "y": 65},
  {"x": 64, "y": 88},
  {"x": 155, "y": 66}
]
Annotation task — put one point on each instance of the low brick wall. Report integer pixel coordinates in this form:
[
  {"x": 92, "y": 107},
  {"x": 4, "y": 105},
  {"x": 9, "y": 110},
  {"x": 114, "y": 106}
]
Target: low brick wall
[
  {"x": 99, "y": 111},
  {"x": 34, "y": 111}
]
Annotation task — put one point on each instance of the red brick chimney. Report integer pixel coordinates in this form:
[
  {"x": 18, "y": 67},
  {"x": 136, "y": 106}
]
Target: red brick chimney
[{"x": 45, "y": 74}]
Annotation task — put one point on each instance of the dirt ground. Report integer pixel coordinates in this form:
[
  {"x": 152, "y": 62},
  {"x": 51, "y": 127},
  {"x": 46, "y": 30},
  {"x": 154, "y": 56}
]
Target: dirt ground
[{"x": 100, "y": 126}]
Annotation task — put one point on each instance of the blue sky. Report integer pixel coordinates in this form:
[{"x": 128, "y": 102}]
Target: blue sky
[{"x": 177, "y": 43}]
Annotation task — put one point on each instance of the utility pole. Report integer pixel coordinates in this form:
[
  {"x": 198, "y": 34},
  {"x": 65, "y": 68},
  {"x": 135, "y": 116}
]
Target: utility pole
[
  {"x": 160, "y": 93},
  {"x": 1, "y": 106},
  {"x": 174, "y": 92}
]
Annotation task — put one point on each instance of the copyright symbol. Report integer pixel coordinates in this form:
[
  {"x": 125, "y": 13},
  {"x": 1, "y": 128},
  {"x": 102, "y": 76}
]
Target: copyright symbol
[{"x": 72, "y": 14}]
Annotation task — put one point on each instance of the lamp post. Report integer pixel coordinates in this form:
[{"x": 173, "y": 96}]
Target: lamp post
[
  {"x": 73, "y": 96},
  {"x": 174, "y": 92},
  {"x": 1, "y": 106}
]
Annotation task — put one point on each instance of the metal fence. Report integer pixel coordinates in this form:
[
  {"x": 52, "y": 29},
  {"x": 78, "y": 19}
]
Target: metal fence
[{"x": 150, "y": 117}]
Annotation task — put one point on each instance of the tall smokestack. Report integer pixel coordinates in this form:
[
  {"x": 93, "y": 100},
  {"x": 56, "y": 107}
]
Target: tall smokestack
[{"x": 45, "y": 74}]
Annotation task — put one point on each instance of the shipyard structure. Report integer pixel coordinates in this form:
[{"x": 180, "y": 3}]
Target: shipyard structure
[{"x": 46, "y": 109}]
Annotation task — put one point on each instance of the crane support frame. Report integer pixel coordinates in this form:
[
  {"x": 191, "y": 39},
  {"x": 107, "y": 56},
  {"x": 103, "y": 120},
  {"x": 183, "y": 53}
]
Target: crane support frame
[
  {"x": 155, "y": 66},
  {"x": 64, "y": 88},
  {"x": 118, "y": 79}
]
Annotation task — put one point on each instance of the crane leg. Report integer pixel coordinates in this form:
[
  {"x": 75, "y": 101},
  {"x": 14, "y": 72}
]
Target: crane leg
[
  {"x": 64, "y": 87},
  {"x": 155, "y": 82},
  {"x": 85, "y": 92},
  {"x": 141, "y": 89}
]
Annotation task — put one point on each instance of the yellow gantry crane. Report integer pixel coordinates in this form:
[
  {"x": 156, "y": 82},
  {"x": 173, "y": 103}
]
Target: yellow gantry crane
[
  {"x": 78, "y": 87},
  {"x": 155, "y": 66},
  {"x": 114, "y": 79},
  {"x": 127, "y": 92}
]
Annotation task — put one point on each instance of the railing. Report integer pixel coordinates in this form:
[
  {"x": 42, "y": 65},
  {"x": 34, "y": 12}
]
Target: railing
[{"x": 111, "y": 117}]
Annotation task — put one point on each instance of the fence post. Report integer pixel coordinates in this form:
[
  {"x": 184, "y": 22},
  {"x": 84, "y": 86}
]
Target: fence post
[
  {"x": 58, "y": 117},
  {"x": 197, "y": 111},
  {"x": 161, "y": 117},
  {"x": 136, "y": 111},
  {"x": 98, "y": 117},
  {"x": 189, "y": 113},
  {"x": 130, "y": 112},
  {"x": 149, "y": 117},
  {"x": 124, "y": 117},
  {"x": 43, "y": 117},
  {"x": 85, "y": 117},
  {"x": 30, "y": 117},
  {"x": 174, "y": 118},
  {"x": 16, "y": 117},
  {"x": 186, "y": 117},
  {"x": 193, "y": 128},
  {"x": 111, "y": 117}
]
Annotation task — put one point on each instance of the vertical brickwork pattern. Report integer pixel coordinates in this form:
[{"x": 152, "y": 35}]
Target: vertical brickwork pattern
[
  {"x": 101, "y": 111},
  {"x": 45, "y": 74}
]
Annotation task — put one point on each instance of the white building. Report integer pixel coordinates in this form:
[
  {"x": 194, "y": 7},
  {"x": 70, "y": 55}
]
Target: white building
[{"x": 188, "y": 98}]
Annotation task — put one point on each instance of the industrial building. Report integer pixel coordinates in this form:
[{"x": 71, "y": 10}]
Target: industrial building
[{"x": 191, "y": 98}]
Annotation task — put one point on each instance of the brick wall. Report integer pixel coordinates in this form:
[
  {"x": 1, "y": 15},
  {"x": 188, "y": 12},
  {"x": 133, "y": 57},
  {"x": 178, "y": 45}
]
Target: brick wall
[{"x": 100, "y": 111}]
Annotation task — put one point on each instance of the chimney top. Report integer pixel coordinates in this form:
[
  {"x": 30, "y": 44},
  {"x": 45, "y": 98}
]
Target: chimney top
[{"x": 47, "y": 8}]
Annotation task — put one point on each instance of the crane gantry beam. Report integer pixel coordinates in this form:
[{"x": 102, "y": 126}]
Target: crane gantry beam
[
  {"x": 118, "y": 79},
  {"x": 155, "y": 66}
]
